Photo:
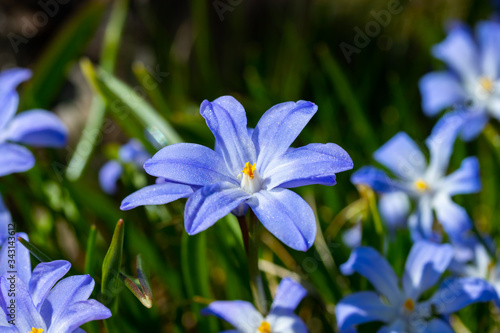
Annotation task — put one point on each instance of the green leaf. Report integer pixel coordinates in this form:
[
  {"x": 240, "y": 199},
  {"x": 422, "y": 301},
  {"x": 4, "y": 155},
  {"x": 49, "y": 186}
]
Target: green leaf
[
  {"x": 90, "y": 253},
  {"x": 196, "y": 275},
  {"x": 50, "y": 71},
  {"x": 112, "y": 264},
  {"x": 34, "y": 250},
  {"x": 123, "y": 102}
]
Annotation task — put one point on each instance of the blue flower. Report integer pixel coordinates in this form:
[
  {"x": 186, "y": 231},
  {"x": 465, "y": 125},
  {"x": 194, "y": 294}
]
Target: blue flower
[
  {"x": 37, "y": 128},
  {"x": 403, "y": 311},
  {"x": 39, "y": 304},
  {"x": 246, "y": 319},
  {"x": 247, "y": 171},
  {"x": 473, "y": 79},
  {"x": 132, "y": 152},
  {"x": 427, "y": 184},
  {"x": 473, "y": 260}
]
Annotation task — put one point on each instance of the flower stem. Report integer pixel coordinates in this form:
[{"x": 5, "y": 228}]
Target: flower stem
[
  {"x": 493, "y": 137},
  {"x": 253, "y": 264},
  {"x": 244, "y": 231}
]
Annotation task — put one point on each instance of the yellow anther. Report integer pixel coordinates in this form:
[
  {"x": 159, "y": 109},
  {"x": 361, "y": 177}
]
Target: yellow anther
[
  {"x": 409, "y": 305},
  {"x": 249, "y": 169},
  {"x": 36, "y": 330},
  {"x": 487, "y": 84},
  {"x": 421, "y": 185},
  {"x": 265, "y": 327}
]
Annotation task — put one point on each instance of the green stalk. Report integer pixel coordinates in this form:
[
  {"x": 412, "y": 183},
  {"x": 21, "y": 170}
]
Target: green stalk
[{"x": 256, "y": 284}]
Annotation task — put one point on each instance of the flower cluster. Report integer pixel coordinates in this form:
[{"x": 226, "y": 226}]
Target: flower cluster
[
  {"x": 33, "y": 301},
  {"x": 471, "y": 88}
]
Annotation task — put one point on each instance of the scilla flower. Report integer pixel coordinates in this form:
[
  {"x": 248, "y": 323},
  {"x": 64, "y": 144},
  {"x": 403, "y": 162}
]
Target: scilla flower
[
  {"x": 472, "y": 259},
  {"x": 5, "y": 220},
  {"x": 427, "y": 184},
  {"x": 403, "y": 311},
  {"x": 39, "y": 305},
  {"x": 473, "y": 79},
  {"x": 246, "y": 171},
  {"x": 281, "y": 319},
  {"x": 132, "y": 152},
  {"x": 37, "y": 128}
]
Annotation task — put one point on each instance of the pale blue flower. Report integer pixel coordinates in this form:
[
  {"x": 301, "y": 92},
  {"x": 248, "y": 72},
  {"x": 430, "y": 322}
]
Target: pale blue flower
[
  {"x": 132, "y": 152},
  {"x": 399, "y": 306},
  {"x": 281, "y": 319},
  {"x": 427, "y": 184},
  {"x": 246, "y": 170},
  {"x": 37, "y": 128},
  {"x": 472, "y": 82},
  {"x": 40, "y": 303}
]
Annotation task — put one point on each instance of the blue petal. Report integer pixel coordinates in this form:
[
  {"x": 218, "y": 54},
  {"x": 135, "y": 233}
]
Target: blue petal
[
  {"x": 394, "y": 208},
  {"x": 26, "y": 315},
  {"x": 211, "y": 203},
  {"x": 242, "y": 315},
  {"x": 278, "y": 128},
  {"x": 398, "y": 326},
  {"x": 15, "y": 158},
  {"x": 440, "y": 90},
  {"x": 287, "y": 216},
  {"x": 465, "y": 180},
  {"x": 158, "y": 194},
  {"x": 459, "y": 52},
  {"x": 38, "y": 128},
  {"x": 370, "y": 264},
  {"x": 305, "y": 165},
  {"x": 133, "y": 152},
  {"x": 425, "y": 264},
  {"x": 227, "y": 120},
  {"x": 189, "y": 164},
  {"x": 438, "y": 326},
  {"x": 402, "y": 156},
  {"x": 288, "y": 296},
  {"x": 441, "y": 142},
  {"x": 457, "y": 293},
  {"x": 452, "y": 217},
  {"x": 68, "y": 291},
  {"x": 79, "y": 313},
  {"x": 375, "y": 178},
  {"x": 422, "y": 220},
  {"x": 44, "y": 277},
  {"x": 9, "y": 102},
  {"x": 109, "y": 175},
  {"x": 22, "y": 260},
  {"x": 9, "y": 80},
  {"x": 489, "y": 41},
  {"x": 361, "y": 307},
  {"x": 475, "y": 123}
]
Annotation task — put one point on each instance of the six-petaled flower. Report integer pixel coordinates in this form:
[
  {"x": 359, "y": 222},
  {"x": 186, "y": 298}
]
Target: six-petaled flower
[{"x": 247, "y": 169}]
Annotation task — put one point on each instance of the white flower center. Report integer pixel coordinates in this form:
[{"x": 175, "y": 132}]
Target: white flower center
[{"x": 250, "y": 180}]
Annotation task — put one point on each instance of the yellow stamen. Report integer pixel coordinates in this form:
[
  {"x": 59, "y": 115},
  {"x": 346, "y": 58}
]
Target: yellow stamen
[
  {"x": 421, "y": 185},
  {"x": 265, "y": 327},
  {"x": 487, "y": 84},
  {"x": 409, "y": 305},
  {"x": 36, "y": 330},
  {"x": 249, "y": 169}
]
